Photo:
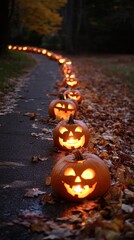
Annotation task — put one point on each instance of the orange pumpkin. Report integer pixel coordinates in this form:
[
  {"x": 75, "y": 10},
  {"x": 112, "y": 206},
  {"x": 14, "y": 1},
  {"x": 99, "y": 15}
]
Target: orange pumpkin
[
  {"x": 71, "y": 81},
  {"x": 73, "y": 94},
  {"x": 71, "y": 134},
  {"x": 67, "y": 68},
  {"x": 78, "y": 176},
  {"x": 62, "y": 108}
]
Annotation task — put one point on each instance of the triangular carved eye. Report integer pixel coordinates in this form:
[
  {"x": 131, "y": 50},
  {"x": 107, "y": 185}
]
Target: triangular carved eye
[
  {"x": 69, "y": 172},
  {"x": 70, "y": 106},
  {"x": 78, "y": 129},
  {"x": 63, "y": 129},
  {"x": 88, "y": 174},
  {"x": 58, "y": 105}
]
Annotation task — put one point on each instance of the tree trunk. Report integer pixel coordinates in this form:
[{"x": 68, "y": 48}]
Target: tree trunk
[
  {"x": 77, "y": 23},
  {"x": 68, "y": 22},
  {"x": 4, "y": 24},
  {"x": 72, "y": 24}
]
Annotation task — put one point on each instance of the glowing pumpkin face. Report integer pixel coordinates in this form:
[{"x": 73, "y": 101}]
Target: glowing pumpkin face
[
  {"x": 73, "y": 94},
  {"x": 67, "y": 68},
  {"x": 61, "y": 109},
  {"x": 71, "y": 80},
  {"x": 81, "y": 186},
  {"x": 76, "y": 177},
  {"x": 71, "y": 134}
]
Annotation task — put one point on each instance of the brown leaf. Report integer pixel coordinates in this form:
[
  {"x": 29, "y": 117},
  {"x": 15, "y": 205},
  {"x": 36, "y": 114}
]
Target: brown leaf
[
  {"x": 46, "y": 131},
  {"x": 48, "y": 181},
  {"x": 48, "y": 198},
  {"x": 33, "y": 192},
  {"x": 32, "y": 115},
  {"x": 40, "y": 226},
  {"x": 35, "y": 159},
  {"x": 115, "y": 225},
  {"x": 104, "y": 154}
]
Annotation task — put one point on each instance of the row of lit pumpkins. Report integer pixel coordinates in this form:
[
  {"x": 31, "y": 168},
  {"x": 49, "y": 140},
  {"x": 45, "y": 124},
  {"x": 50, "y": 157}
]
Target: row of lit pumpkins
[{"x": 76, "y": 176}]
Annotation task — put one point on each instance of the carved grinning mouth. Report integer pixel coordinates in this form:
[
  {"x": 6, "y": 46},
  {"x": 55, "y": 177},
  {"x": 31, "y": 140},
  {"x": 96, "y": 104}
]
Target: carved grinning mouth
[
  {"x": 79, "y": 191},
  {"x": 74, "y": 97},
  {"x": 72, "y": 143},
  {"x": 59, "y": 113},
  {"x": 72, "y": 83}
]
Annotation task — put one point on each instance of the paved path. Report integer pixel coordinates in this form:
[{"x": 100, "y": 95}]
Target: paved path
[{"x": 17, "y": 145}]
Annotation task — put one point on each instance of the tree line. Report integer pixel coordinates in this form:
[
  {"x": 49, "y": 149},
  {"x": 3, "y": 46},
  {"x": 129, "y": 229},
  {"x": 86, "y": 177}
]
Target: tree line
[{"x": 70, "y": 25}]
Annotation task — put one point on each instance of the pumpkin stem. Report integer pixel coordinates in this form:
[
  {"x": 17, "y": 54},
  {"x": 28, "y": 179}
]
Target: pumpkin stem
[
  {"x": 61, "y": 96},
  {"x": 71, "y": 120},
  {"x": 78, "y": 155}
]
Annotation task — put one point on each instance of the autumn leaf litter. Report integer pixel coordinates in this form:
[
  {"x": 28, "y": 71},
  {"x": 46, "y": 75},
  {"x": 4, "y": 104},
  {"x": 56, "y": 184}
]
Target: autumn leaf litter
[{"x": 107, "y": 111}]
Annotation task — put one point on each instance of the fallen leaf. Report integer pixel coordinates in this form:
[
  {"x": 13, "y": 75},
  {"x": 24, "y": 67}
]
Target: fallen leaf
[
  {"x": 47, "y": 198},
  {"x": 32, "y": 115},
  {"x": 11, "y": 164},
  {"x": 127, "y": 208},
  {"x": 43, "y": 159},
  {"x": 48, "y": 181},
  {"x": 46, "y": 131},
  {"x": 33, "y": 192},
  {"x": 35, "y": 159},
  {"x": 38, "y": 158}
]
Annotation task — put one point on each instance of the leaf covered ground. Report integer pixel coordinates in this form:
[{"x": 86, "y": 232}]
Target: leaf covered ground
[{"x": 107, "y": 109}]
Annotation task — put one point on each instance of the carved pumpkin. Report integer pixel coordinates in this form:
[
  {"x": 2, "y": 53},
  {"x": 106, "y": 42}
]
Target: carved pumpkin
[
  {"x": 71, "y": 134},
  {"x": 62, "y": 60},
  {"x": 49, "y": 54},
  {"x": 71, "y": 80},
  {"x": 61, "y": 108},
  {"x": 67, "y": 67},
  {"x": 73, "y": 94},
  {"x": 78, "y": 176}
]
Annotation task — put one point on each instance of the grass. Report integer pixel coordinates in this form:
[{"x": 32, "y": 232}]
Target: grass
[
  {"x": 121, "y": 67},
  {"x": 125, "y": 73},
  {"x": 12, "y": 66}
]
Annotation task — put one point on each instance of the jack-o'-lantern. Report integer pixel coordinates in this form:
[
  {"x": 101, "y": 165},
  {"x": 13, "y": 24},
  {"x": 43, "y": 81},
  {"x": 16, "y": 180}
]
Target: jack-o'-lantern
[
  {"x": 20, "y": 48},
  {"x": 78, "y": 176},
  {"x": 57, "y": 57},
  {"x": 10, "y": 47},
  {"x": 25, "y": 48},
  {"x": 62, "y": 108},
  {"x": 49, "y": 54},
  {"x": 67, "y": 68},
  {"x": 62, "y": 60},
  {"x": 71, "y": 80},
  {"x": 44, "y": 51},
  {"x": 70, "y": 134},
  {"x": 39, "y": 50},
  {"x": 73, "y": 94}
]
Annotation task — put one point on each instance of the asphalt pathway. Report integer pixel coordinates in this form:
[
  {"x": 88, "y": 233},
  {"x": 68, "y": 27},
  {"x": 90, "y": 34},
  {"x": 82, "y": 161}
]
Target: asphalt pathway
[{"x": 17, "y": 145}]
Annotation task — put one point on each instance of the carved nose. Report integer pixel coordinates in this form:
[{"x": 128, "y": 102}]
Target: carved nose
[
  {"x": 70, "y": 134},
  {"x": 77, "y": 179}
]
